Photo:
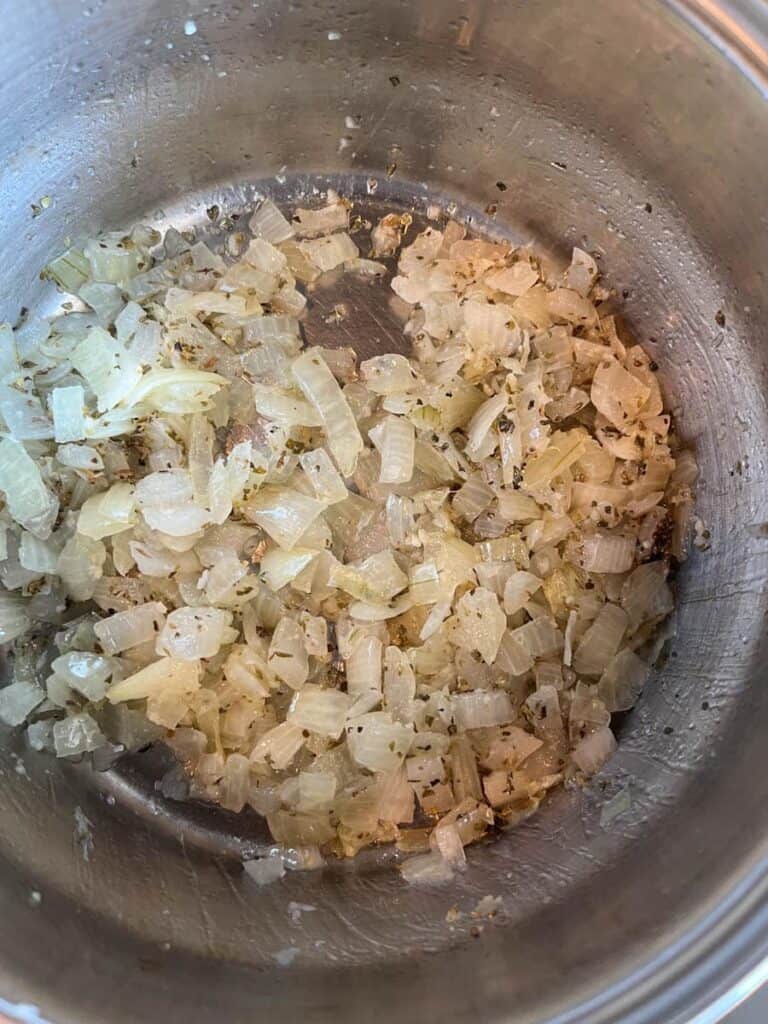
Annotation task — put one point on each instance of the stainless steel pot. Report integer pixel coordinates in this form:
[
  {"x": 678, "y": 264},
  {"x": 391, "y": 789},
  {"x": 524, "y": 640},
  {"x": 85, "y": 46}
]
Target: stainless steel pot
[{"x": 639, "y": 130}]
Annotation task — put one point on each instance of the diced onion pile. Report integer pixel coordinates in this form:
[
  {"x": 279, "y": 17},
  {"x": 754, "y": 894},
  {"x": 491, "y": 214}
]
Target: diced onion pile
[{"x": 396, "y": 601}]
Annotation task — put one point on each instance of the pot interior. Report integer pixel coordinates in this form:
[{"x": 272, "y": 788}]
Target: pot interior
[{"x": 626, "y": 133}]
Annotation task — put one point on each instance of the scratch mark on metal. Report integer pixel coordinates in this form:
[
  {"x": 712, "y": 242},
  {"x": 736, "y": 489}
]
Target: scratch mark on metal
[{"x": 194, "y": 879}]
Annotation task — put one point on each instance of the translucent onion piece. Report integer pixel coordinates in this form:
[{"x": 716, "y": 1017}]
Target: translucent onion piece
[
  {"x": 19, "y": 699},
  {"x": 128, "y": 629},
  {"x": 326, "y": 482},
  {"x": 563, "y": 450},
  {"x": 427, "y": 869},
  {"x": 466, "y": 778},
  {"x": 582, "y": 273},
  {"x": 514, "y": 280},
  {"x": 28, "y": 500},
  {"x": 593, "y": 751},
  {"x": 180, "y": 390},
  {"x": 279, "y": 568},
  {"x": 482, "y": 421},
  {"x": 608, "y": 552},
  {"x": 67, "y": 406},
  {"x": 399, "y": 685},
  {"x": 70, "y": 270},
  {"x": 285, "y": 514},
  {"x": 24, "y": 415},
  {"x": 288, "y": 658},
  {"x": 166, "y": 676},
  {"x": 569, "y": 305},
  {"x": 193, "y": 633},
  {"x": 473, "y": 498},
  {"x": 482, "y": 709},
  {"x": 80, "y": 566},
  {"x": 37, "y": 555},
  {"x": 269, "y": 223},
  {"x": 518, "y": 590},
  {"x": 310, "y": 223},
  {"x": 541, "y": 637},
  {"x": 378, "y": 743},
  {"x": 646, "y": 595},
  {"x": 227, "y": 481},
  {"x": 375, "y": 579},
  {"x": 331, "y": 251},
  {"x": 480, "y": 623},
  {"x": 617, "y": 394},
  {"x": 395, "y": 439},
  {"x": 388, "y": 374},
  {"x": 85, "y": 672},
  {"x": 108, "y": 513},
  {"x": 109, "y": 370},
  {"x": 623, "y": 680},
  {"x": 364, "y": 667},
  {"x": 286, "y": 409},
  {"x": 601, "y": 641},
  {"x": 280, "y": 745},
  {"x": 513, "y": 658},
  {"x": 112, "y": 258},
  {"x": 320, "y": 711},
  {"x": 320, "y": 387},
  {"x": 77, "y": 734}
]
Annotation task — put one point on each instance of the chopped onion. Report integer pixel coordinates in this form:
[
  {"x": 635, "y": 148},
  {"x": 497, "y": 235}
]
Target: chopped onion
[
  {"x": 326, "y": 482},
  {"x": 482, "y": 421},
  {"x": 473, "y": 497},
  {"x": 607, "y": 552},
  {"x": 482, "y": 709},
  {"x": 388, "y": 374},
  {"x": 108, "y": 513},
  {"x": 480, "y": 623},
  {"x": 646, "y": 595},
  {"x": 67, "y": 405},
  {"x": 279, "y": 568},
  {"x": 378, "y": 578},
  {"x": 310, "y": 223},
  {"x": 617, "y": 394},
  {"x": 601, "y": 641},
  {"x": 320, "y": 711},
  {"x": 330, "y": 251},
  {"x": 395, "y": 439},
  {"x": 399, "y": 685},
  {"x": 24, "y": 415},
  {"x": 81, "y": 565},
  {"x": 193, "y": 633},
  {"x": 28, "y": 500},
  {"x": 582, "y": 273},
  {"x": 364, "y": 668},
  {"x": 284, "y": 514},
  {"x": 19, "y": 700},
  {"x": 377, "y": 743},
  {"x": 594, "y": 750},
  {"x": 77, "y": 734},
  {"x": 320, "y": 387},
  {"x": 338, "y": 592},
  {"x": 85, "y": 672},
  {"x": 269, "y": 223},
  {"x": 128, "y": 629},
  {"x": 37, "y": 555},
  {"x": 288, "y": 658},
  {"x": 623, "y": 680},
  {"x": 280, "y": 745},
  {"x": 427, "y": 869}
]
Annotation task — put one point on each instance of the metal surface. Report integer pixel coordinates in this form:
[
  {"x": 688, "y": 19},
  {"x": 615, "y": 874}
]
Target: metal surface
[{"x": 637, "y": 130}]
